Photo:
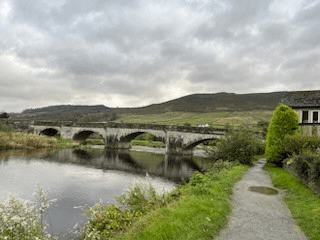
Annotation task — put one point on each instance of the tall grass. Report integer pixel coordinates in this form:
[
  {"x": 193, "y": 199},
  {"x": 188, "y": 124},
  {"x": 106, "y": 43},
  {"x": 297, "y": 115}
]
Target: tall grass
[
  {"x": 107, "y": 221},
  {"x": 16, "y": 140}
]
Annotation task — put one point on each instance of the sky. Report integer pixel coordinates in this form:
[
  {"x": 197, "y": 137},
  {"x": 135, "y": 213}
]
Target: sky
[{"x": 132, "y": 53}]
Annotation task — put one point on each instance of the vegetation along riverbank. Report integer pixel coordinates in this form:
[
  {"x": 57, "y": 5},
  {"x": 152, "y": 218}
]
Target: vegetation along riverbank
[
  {"x": 195, "y": 210},
  {"x": 17, "y": 140}
]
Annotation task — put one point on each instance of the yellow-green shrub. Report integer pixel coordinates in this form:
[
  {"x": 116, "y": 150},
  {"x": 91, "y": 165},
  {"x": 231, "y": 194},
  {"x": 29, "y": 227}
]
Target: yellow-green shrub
[{"x": 284, "y": 122}]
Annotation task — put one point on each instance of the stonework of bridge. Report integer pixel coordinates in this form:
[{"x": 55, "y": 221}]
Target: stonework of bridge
[{"x": 178, "y": 139}]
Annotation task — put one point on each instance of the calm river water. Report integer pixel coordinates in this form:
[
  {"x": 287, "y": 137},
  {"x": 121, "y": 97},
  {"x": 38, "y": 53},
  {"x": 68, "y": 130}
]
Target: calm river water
[{"x": 83, "y": 177}]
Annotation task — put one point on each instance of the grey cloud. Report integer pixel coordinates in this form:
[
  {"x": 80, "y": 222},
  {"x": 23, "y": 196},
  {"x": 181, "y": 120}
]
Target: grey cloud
[{"x": 66, "y": 51}]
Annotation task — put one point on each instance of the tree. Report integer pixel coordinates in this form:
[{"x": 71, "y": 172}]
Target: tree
[
  {"x": 4, "y": 115},
  {"x": 284, "y": 122},
  {"x": 237, "y": 145}
]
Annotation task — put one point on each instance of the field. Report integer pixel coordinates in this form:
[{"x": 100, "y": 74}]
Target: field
[{"x": 213, "y": 119}]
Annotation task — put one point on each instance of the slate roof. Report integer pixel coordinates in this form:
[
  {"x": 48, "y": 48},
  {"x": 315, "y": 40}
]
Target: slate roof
[{"x": 302, "y": 99}]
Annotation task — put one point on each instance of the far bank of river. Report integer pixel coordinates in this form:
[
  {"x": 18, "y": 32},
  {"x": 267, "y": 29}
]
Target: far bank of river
[{"x": 78, "y": 177}]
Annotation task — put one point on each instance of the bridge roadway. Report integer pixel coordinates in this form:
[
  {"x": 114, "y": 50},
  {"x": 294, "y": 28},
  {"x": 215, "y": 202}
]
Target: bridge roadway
[{"x": 178, "y": 139}]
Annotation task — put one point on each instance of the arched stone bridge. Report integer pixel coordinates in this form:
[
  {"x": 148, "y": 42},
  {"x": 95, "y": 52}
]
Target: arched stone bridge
[{"x": 178, "y": 139}]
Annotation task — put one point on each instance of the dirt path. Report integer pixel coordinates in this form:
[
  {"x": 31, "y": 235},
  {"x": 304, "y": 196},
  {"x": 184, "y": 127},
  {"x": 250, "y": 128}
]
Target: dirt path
[{"x": 259, "y": 216}]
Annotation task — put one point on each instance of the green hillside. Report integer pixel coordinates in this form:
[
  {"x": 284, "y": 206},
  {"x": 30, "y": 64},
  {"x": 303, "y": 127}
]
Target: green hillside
[{"x": 216, "y": 110}]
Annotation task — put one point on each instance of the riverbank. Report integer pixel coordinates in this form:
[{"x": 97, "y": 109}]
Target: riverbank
[
  {"x": 17, "y": 140},
  {"x": 196, "y": 210}
]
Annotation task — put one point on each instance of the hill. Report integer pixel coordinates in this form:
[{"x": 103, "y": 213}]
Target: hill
[
  {"x": 211, "y": 103},
  {"x": 214, "y": 109},
  {"x": 67, "y": 109}
]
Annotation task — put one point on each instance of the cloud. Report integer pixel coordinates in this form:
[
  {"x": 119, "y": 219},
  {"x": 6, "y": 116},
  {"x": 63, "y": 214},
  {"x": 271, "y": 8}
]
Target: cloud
[{"x": 136, "y": 52}]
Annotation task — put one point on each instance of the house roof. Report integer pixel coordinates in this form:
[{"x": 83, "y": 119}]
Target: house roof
[{"x": 302, "y": 99}]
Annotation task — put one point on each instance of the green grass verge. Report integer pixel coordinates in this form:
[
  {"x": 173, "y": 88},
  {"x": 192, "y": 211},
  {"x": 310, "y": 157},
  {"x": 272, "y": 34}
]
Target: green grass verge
[
  {"x": 156, "y": 144},
  {"x": 199, "y": 214},
  {"x": 302, "y": 202}
]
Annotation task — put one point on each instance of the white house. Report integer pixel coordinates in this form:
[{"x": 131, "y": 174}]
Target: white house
[{"x": 307, "y": 104}]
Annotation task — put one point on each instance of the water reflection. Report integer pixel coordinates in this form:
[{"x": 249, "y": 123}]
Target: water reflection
[
  {"x": 172, "y": 167},
  {"x": 78, "y": 177}
]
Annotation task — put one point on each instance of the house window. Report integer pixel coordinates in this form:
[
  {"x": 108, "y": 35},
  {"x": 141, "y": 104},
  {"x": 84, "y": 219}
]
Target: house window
[
  {"x": 315, "y": 117},
  {"x": 305, "y": 116}
]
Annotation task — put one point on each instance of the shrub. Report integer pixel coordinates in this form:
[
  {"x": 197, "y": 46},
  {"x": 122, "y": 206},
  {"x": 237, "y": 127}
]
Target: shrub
[
  {"x": 284, "y": 122},
  {"x": 238, "y": 145},
  {"x": 297, "y": 144},
  {"x": 20, "y": 219},
  {"x": 5, "y": 128},
  {"x": 107, "y": 220}
]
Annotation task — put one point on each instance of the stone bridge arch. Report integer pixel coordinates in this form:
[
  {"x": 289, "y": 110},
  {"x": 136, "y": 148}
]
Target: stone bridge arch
[
  {"x": 120, "y": 138},
  {"x": 196, "y": 143},
  {"x": 50, "y": 132},
  {"x": 184, "y": 142},
  {"x": 82, "y": 135}
]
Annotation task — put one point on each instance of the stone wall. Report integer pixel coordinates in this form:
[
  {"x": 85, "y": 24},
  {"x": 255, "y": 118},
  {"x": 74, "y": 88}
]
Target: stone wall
[{"x": 315, "y": 187}]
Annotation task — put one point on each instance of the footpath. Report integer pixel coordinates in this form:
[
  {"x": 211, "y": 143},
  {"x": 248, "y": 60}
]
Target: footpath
[{"x": 257, "y": 215}]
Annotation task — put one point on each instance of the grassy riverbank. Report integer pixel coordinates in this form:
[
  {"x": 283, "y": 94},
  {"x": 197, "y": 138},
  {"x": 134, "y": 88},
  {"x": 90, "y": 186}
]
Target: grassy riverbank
[
  {"x": 10, "y": 139},
  {"x": 302, "y": 202},
  {"x": 16, "y": 140},
  {"x": 196, "y": 210}
]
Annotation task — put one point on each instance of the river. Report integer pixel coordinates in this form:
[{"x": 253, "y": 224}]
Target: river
[{"x": 78, "y": 177}]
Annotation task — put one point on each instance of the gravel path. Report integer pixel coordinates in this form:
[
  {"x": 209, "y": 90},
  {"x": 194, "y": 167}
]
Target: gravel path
[{"x": 258, "y": 216}]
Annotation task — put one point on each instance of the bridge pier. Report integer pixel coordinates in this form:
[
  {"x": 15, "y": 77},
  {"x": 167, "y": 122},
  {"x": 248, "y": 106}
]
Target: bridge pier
[
  {"x": 174, "y": 145},
  {"x": 112, "y": 142}
]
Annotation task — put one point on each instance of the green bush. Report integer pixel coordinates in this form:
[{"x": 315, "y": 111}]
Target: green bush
[
  {"x": 5, "y": 128},
  {"x": 20, "y": 219},
  {"x": 284, "y": 122},
  {"x": 105, "y": 221},
  {"x": 239, "y": 144},
  {"x": 142, "y": 196},
  {"x": 297, "y": 144}
]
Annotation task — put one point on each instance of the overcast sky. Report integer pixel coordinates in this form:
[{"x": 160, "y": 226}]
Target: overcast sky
[{"x": 131, "y": 53}]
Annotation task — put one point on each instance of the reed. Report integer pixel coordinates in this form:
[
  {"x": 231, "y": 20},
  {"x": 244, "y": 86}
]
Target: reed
[{"x": 17, "y": 140}]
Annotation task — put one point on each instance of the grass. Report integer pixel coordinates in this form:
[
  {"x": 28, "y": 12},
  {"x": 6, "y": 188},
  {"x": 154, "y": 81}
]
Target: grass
[
  {"x": 302, "y": 202},
  {"x": 16, "y": 140},
  {"x": 156, "y": 144},
  {"x": 200, "y": 212},
  {"x": 213, "y": 119},
  {"x": 65, "y": 143}
]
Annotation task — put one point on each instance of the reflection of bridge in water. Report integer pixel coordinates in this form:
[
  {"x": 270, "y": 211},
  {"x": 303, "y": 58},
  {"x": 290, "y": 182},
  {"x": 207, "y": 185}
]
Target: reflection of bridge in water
[
  {"x": 172, "y": 167},
  {"x": 178, "y": 139}
]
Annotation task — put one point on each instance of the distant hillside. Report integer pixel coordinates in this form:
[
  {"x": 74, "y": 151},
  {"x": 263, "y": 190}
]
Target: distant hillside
[
  {"x": 198, "y": 103},
  {"x": 74, "y": 113},
  {"x": 212, "y": 103},
  {"x": 67, "y": 109}
]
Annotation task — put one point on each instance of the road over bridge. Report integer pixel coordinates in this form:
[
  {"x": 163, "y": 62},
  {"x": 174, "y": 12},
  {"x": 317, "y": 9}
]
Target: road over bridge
[{"x": 178, "y": 139}]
